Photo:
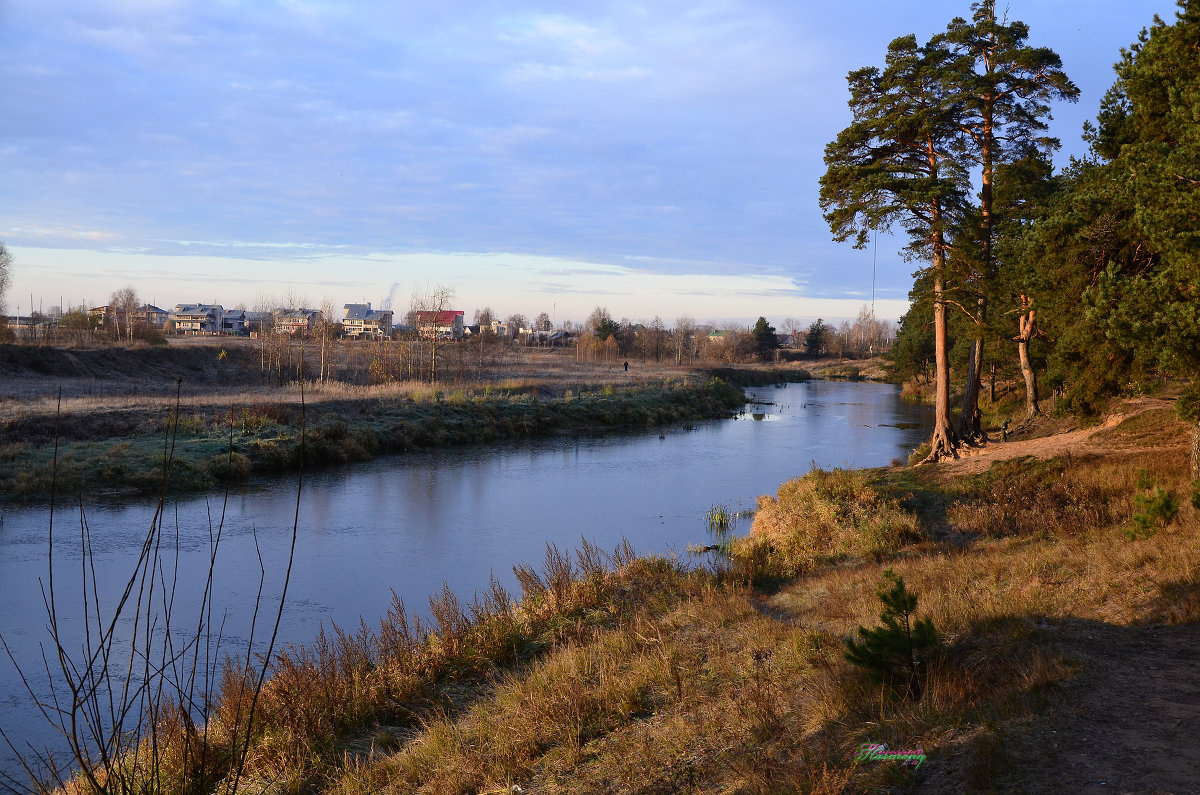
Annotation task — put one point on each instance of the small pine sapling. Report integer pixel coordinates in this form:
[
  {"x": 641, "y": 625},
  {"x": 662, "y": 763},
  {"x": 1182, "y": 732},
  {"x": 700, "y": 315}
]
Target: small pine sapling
[
  {"x": 896, "y": 653},
  {"x": 1153, "y": 507}
]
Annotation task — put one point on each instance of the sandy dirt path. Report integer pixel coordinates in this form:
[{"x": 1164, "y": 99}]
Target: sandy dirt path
[{"x": 1077, "y": 442}]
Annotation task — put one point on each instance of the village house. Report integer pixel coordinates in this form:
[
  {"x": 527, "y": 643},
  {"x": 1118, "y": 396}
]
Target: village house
[
  {"x": 234, "y": 322},
  {"x": 197, "y": 318},
  {"x": 145, "y": 315},
  {"x": 444, "y": 325},
  {"x": 362, "y": 321},
  {"x": 151, "y": 316},
  {"x": 296, "y": 321},
  {"x": 99, "y": 316}
]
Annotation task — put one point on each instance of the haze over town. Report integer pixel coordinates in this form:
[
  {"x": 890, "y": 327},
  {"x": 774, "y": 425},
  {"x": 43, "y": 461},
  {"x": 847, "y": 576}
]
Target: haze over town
[{"x": 658, "y": 160}]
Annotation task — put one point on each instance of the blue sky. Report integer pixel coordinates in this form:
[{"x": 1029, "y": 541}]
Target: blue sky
[{"x": 655, "y": 158}]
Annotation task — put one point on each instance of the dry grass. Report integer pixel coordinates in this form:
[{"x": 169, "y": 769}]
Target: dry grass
[
  {"x": 370, "y": 690},
  {"x": 821, "y": 518}
]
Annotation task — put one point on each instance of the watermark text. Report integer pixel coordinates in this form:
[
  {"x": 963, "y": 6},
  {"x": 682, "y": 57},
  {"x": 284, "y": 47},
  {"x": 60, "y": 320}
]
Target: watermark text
[{"x": 878, "y": 752}]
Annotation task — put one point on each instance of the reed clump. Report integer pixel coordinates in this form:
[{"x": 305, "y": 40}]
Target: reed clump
[
  {"x": 390, "y": 681},
  {"x": 822, "y": 517}
]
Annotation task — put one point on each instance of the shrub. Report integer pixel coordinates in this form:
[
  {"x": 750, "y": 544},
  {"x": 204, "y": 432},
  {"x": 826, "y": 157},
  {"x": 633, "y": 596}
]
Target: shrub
[
  {"x": 1025, "y": 497},
  {"x": 1153, "y": 508},
  {"x": 896, "y": 653},
  {"x": 231, "y": 467}
]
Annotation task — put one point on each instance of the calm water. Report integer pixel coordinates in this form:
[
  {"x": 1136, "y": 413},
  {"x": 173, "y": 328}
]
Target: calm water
[{"x": 408, "y": 524}]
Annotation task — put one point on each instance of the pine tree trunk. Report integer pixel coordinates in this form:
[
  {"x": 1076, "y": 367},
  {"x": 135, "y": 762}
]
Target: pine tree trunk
[
  {"x": 969, "y": 426},
  {"x": 943, "y": 442},
  {"x": 1196, "y": 450}
]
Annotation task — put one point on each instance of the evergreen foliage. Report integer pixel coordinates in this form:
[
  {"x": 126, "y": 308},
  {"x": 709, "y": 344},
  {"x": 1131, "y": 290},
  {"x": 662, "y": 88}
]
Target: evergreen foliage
[
  {"x": 897, "y": 652},
  {"x": 817, "y": 338},
  {"x": 911, "y": 356},
  {"x": 1001, "y": 88},
  {"x": 901, "y": 161},
  {"x": 765, "y": 341},
  {"x": 1149, "y": 134},
  {"x": 1153, "y": 507}
]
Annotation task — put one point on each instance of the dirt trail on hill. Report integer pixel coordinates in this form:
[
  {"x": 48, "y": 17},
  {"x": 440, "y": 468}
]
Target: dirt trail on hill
[
  {"x": 1128, "y": 721},
  {"x": 1076, "y": 442}
]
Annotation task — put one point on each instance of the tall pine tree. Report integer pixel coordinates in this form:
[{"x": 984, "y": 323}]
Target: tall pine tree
[
  {"x": 1004, "y": 87},
  {"x": 900, "y": 161}
]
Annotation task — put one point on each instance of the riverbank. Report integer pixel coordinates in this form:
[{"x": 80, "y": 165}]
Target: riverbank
[
  {"x": 1064, "y": 593},
  {"x": 221, "y": 414},
  {"x": 122, "y": 451}
]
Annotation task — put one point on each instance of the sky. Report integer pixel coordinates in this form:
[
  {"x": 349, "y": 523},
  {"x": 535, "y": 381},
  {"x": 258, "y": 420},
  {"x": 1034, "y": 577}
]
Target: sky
[{"x": 655, "y": 158}]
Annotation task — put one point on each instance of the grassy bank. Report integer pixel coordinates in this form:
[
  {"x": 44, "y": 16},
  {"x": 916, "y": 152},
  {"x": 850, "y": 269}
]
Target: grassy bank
[
  {"x": 760, "y": 375},
  {"x": 122, "y": 450},
  {"x": 618, "y": 673}
]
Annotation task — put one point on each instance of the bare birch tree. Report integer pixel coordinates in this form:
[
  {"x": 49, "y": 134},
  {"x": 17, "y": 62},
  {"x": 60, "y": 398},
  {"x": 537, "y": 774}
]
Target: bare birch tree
[
  {"x": 123, "y": 303},
  {"x": 426, "y": 308},
  {"x": 5, "y": 275}
]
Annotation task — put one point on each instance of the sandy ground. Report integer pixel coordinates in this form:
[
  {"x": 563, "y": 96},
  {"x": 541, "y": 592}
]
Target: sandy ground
[{"x": 1077, "y": 442}]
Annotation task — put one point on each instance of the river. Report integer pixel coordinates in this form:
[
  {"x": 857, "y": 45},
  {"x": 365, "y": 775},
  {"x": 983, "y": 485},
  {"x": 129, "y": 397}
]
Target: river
[{"x": 409, "y": 524}]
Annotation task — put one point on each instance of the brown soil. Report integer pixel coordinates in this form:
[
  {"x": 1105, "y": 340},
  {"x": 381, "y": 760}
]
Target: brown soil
[{"x": 1127, "y": 724}]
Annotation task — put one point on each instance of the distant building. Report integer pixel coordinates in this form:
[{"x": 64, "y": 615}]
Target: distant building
[
  {"x": 361, "y": 320},
  {"x": 234, "y": 322},
  {"x": 145, "y": 315},
  {"x": 197, "y": 318},
  {"x": 444, "y": 325},
  {"x": 296, "y": 321},
  {"x": 256, "y": 322},
  {"x": 99, "y": 316},
  {"x": 151, "y": 316}
]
